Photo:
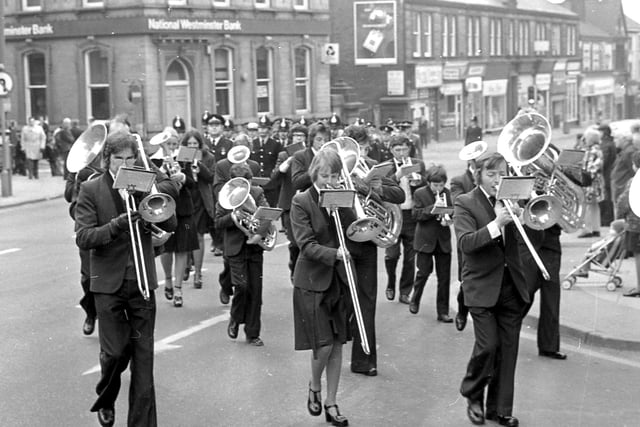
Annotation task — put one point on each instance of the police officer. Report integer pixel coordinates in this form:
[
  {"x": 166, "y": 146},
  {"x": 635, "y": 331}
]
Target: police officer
[{"x": 265, "y": 152}]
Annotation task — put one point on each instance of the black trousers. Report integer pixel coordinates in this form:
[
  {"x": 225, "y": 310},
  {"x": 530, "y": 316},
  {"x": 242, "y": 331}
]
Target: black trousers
[
  {"x": 549, "y": 320},
  {"x": 424, "y": 263},
  {"x": 366, "y": 266},
  {"x": 493, "y": 360},
  {"x": 126, "y": 323},
  {"x": 224, "y": 278},
  {"x": 87, "y": 302},
  {"x": 392, "y": 255},
  {"x": 246, "y": 277},
  {"x": 294, "y": 251}
]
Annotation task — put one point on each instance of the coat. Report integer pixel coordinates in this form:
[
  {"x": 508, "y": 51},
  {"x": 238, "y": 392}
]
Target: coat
[{"x": 429, "y": 231}]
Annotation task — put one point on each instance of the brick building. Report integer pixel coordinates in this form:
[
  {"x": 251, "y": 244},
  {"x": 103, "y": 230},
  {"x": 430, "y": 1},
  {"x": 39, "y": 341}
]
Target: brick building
[{"x": 155, "y": 59}]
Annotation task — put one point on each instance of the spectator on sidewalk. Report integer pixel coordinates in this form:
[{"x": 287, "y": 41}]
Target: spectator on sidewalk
[
  {"x": 473, "y": 131},
  {"x": 33, "y": 140},
  {"x": 593, "y": 193},
  {"x": 623, "y": 169},
  {"x": 608, "y": 148},
  {"x": 623, "y": 211},
  {"x": 19, "y": 158},
  {"x": 63, "y": 140}
]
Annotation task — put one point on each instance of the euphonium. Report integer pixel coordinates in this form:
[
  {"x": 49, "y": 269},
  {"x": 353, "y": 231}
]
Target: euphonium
[
  {"x": 235, "y": 196},
  {"x": 525, "y": 143}
]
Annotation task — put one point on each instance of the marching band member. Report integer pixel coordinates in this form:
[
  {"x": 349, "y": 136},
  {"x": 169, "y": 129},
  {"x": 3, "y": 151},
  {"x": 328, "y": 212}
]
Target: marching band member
[
  {"x": 409, "y": 183},
  {"x": 245, "y": 260},
  {"x": 126, "y": 319},
  {"x": 365, "y": 259},
  {"x": 202, "y": 172},
  {"x": 320, "y": 295},
  {"x": 221, "y": 176},
  {"x": 432, "y": 241},
  {"x": 319, "y": 133},
  {"x": 282, "y": 175},
  {"x": 495, "y": 292}
]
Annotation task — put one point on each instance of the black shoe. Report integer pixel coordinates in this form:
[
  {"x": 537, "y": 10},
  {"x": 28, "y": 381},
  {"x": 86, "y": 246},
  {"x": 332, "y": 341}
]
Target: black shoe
[
  {"x": 177, "y": 301},
  {"x": 168, "y": 293},
  {"x": 404, "y": 299},
  {"x": 106, "y": 417},
  {"x": 475, "y": 412},
  {"x": 461, "y": 322},
  {"x": 232, "y": 329},
  {"x": 185, "y": 275},
  {"x": 552, "y": 354},
  {"x": 373, "y": 372},
  {"x": 314, "y": 402},
  {"x": 217, "y": 252},
  {"x": 391, "y": 294},
  {"x": 504, "y": 420},
  {"x": 338, "y": 419},
  {"x": 224, "y": 298},
  {"x": 89, "y": 325},
  {"x": 414, "y": 307},
  {"x": 444, "y": 318},
  {"x": 256, "y": 342}
]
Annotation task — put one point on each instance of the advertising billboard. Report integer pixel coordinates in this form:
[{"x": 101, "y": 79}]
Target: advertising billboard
[{"x": 375, "y": 32}]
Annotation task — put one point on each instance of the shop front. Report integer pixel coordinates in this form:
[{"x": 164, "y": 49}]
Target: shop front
[
  {"x": 450, "y": 106},
  {"x": 494, "y": 93},
  {"x": 596, "y": 99},
  {"x": 558, "y": 94}
]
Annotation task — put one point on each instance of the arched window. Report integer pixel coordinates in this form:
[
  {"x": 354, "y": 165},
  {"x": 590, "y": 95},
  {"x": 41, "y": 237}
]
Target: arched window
[
  {"x": 223, "y": 64},
  {"x": 35, "y": 78},
  {"x": 177, "y": 92},
  {"x": 96, "y": 65},
  {"x": 302, "y": 78},
  {"x": 264, "y": 80}
]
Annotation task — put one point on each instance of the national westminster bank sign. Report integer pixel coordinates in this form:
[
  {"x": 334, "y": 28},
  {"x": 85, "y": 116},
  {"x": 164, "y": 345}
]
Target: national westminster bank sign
[{"x": 145, "y": 25}]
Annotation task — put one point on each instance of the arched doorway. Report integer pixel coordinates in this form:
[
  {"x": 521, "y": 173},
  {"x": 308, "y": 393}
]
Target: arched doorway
[{"x": 177, "y": 93}]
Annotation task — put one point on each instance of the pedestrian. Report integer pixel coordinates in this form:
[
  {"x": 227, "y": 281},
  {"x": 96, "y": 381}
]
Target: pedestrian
[
  {"x": 63, "y": 141},
  {"x": 594, "y": 192},
  {"x": 432, "y": 240},
  {"x": 126, "y": 319},
  {"x": 608, "y": 148},
  {"x": 33, "y": 141},
  {"x": 473, "y": 131},
  {"x": 623, "y": 211},
  {"x": 320, "y": 295},
  {"x": 495, "y": 292},
  {"x": 19, "y": 158}
]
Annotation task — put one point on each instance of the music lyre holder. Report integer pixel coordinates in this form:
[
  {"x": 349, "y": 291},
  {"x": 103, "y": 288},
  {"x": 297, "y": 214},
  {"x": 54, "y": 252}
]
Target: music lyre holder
[
  {"x": 336, "y": 198},
  {"x": 134, "y": 179},
  {"x": 187, "y": 154},
  {"x": 515, "y": 187}
]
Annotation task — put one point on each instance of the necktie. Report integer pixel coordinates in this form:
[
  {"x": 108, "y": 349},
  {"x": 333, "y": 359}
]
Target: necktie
[{"x": 492, "y": 200}]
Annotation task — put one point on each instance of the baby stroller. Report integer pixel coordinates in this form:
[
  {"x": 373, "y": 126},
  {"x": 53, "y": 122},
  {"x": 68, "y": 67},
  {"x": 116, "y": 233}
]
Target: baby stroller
[{"x": 603, "y": 257}]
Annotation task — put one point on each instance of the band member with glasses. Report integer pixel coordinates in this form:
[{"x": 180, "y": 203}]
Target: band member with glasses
[{"x": 125, "y": 319}]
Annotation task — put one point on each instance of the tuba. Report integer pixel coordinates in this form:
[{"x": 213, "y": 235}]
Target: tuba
[
  {"x": 525, "y": 144},
  {"x": 380, "y": 223},
  {"x": 236, "y": 197}
]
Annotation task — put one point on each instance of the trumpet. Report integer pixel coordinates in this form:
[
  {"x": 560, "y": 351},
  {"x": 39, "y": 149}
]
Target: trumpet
[{"x": 195, "y": 169}]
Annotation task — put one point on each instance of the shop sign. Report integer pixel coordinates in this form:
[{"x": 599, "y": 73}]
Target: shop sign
[
  {"x": 330, "y": 54},
  {"x": 574, "y": 68},
  {"x": 194, "y": 24},
  {"x": 473, "y": 84},
  {"x": 476, "y": 70},
  {"x": 452, "y": 88},
  {"x": 375, "y": 32},
  {"x": 428, "y": 76},
  {"x": 494, "y": 87},
  {"x": 395, "y": 82},
  {"x": 597, "y": 86},
  {"x": 543, "y": 81},
  {"x": 454, "y": 70}
]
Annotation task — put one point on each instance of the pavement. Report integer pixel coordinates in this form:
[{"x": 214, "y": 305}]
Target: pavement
[{"x": 589, "y": 313}]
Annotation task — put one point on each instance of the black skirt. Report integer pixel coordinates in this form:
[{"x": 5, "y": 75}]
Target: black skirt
[
  {"x": 185, "y": 238},
  {"x": 320, "y": 318}
]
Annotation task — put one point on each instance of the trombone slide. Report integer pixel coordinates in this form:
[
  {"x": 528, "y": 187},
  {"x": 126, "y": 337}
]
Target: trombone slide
[
  {"x": 138, "y": 251},
  {"x": 364, "y": 341},
  {"x": 534, "y": 254}
]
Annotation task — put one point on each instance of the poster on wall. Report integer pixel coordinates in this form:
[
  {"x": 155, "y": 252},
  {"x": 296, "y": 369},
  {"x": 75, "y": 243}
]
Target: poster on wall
[{"x": 375, "y": 32}]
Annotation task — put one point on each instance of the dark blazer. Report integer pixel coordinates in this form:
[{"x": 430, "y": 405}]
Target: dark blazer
[
  {"x": 429, "y": 231},
  {"x": 220, "y": 149},
  {"x": 283, "y": 180},
  {"x": 98, "y": 203},
  {"x": 234, "y": 238},
  {"x": 205, "y": 181},
  {"x": 300, "y": 178},
  {"x": 316, "y": 236},
  {"x": 484, "y": 257},
  {"x": 461, "y": 184},
  {"x": 222, "y": 173}
]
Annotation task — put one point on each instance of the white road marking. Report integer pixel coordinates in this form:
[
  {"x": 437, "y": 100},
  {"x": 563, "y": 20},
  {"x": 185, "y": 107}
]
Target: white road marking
[
  {"x": 8, "y": 251},
  {"x": 166, "y": 343}
]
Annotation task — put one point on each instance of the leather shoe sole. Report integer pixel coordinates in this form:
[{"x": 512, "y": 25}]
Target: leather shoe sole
[
  {"x": 106, "y": 417},
  {"x": 232, "y": 329},
  {"x": 414, "y": 308},
  {"x": 89, "y": 325},
  {"x": 507, "y": 421},
  {"x": 552, "y": 354},
  {"x": 461, "y": 322},
  {"x": 224, "y": 298},
  {"x": 475, "y": 412}
]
